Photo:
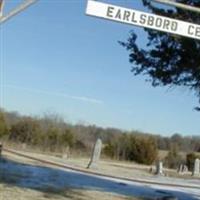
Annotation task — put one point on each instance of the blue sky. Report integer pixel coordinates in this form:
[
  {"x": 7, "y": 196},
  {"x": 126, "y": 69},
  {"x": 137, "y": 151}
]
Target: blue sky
[{"x": 54, "y": 58}]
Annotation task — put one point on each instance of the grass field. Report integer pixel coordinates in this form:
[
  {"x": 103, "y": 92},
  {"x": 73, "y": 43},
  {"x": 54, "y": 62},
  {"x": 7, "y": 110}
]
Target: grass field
[
  {"x": 126, "y": 169},
  {"x": 8, "y": 192},
  {"x": 9, "y": 188}
]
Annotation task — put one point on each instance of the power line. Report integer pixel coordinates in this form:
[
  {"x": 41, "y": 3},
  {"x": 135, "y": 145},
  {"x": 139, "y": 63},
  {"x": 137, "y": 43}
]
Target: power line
[{"x": 179, "y": 5}]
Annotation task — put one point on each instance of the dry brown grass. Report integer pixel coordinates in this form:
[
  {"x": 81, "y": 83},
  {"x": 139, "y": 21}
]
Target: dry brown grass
[
  {"x": 15, "y": 193},
  {"x": 108, "y": 167}
]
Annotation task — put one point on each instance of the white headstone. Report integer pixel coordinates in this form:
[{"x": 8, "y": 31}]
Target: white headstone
[
  {"x": 196, "y": 170},
  {"x": 95, "y": 154},
  {"x": 185, "y": 169},
  {"x": 159, "y": 168},
  {"x": 23, "y": 146},
  {"x": 64, "y": 156},
  {"x": 182, "y": 169}
]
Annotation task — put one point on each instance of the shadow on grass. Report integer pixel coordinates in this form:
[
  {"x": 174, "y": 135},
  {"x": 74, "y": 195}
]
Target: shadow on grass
[{"x": 59, "y": 182}]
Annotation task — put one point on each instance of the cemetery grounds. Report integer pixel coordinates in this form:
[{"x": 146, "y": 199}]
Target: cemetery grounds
[{"x": 8, "y": 190}]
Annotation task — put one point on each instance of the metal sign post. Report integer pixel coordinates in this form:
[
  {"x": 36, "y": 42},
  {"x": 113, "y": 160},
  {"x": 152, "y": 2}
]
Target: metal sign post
[
  {"x": 142, "y": 19},
  {"x": 25, "y": 4},
  {"x": 1, "y": 7},
  {"x": 179, "y": 5}
]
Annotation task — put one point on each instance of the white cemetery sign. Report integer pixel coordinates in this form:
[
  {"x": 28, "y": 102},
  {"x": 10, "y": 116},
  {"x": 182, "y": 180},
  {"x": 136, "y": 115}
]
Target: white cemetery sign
[{"x": 142, "y": 19}]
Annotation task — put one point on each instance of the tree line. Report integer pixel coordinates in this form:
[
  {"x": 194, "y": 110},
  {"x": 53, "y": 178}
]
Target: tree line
[{"x": 51, "y": 133}]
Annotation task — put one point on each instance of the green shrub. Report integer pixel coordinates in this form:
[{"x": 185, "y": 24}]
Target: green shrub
[
  {"x": 109, "y": 150},
  {"x": 26, "y": 131},
  {"x": 143, "y": 150},
  {"x": 3, "y": 126},
  {"x": 67, "y": 138}
]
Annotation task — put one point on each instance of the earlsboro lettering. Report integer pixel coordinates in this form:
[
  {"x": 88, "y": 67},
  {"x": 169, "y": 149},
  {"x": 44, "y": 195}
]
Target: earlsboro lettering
[
  {"x": 120, "y": 14},
  {"x": 110, "y": 11},
  {"x": 127, "y": 14},
  {"x": 143, "y": 19},
  {"x": 133, "y": 18},
  {"x": 158, "y": 22}
]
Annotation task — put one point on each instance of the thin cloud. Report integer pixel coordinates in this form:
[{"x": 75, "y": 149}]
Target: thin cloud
[{"x": 74, "y": 97}]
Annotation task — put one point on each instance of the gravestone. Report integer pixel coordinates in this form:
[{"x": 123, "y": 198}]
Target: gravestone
[
  {"x": 64, "y": 156},
  {"x": 23, "y": 146},
  {"x": 1, "y": 148},
  {"x": 185, "y": 168},
  {"x": 152, "y": 169},
  {"x": 196, "y": 169},
  {"x": 95, "y": 154},
  {"x": 182, "y": 169},
  {"x": 65, "y": 152},
  {"x": 159, "y": 168}
]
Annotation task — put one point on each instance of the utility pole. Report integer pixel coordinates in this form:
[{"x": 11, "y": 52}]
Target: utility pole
[
  {"x": 179, "y": 5},
  {"x": 22, "y": 6}
]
